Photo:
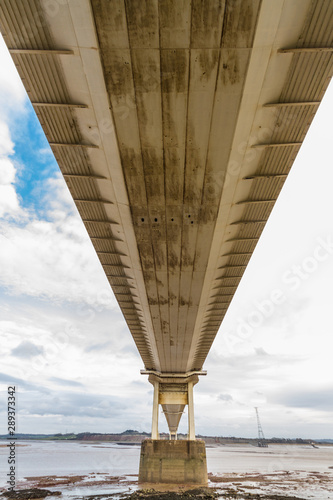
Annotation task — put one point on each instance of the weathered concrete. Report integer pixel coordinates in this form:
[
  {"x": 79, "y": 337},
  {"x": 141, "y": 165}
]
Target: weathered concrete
[
  {"x": 174, "y": 124},
  {"x": 173, "y": 462}
]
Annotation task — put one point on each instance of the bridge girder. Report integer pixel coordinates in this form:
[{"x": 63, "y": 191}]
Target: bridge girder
[{"x": 175, "y": 125}]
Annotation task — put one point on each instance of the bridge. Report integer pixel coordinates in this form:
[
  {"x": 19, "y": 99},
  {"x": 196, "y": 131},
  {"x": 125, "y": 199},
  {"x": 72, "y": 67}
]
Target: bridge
[{"x": 175, "y": 124}]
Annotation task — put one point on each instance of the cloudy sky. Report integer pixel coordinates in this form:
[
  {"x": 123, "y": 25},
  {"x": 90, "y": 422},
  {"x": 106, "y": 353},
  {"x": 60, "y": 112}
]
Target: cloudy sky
[{"x": 66, "y": 347}]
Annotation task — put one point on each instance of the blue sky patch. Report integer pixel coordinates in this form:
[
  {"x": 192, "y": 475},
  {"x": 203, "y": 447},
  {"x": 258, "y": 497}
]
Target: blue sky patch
[{"x": 34, "y": 161}]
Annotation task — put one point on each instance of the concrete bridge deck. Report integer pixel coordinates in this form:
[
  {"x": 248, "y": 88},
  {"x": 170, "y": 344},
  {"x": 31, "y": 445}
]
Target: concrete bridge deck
[{"x": 175, "y": 124}]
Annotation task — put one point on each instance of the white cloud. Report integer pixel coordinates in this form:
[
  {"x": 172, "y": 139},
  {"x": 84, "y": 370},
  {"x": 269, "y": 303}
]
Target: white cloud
[
  {"x": 12, "y": 92},
  {"x": 48, "y": 256},
  {"x": 53, "y": 259},
  {"x": 63, "y": 336},
  {"x": 57, "y": 300},
  {"x": 12, "y": 102},
  {"x": 9, "y": 203},
  {"x": 7, "y": 171},
  {"x": 6, "y": 144}
]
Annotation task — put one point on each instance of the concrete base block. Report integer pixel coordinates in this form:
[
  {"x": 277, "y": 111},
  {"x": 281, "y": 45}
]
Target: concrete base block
[{"x": 173, "y": 462}]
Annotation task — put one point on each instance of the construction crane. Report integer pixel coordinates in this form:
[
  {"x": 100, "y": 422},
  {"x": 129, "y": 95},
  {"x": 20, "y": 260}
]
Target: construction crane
[{"x": 261, "y": 438}]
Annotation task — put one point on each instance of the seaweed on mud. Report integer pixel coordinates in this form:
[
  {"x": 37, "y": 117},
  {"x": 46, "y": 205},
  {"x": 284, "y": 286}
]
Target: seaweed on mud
[
  {"x": 202, "y": 493},
  {"x": 151, "y": 494},
  {"x": 27, "y": 494}
]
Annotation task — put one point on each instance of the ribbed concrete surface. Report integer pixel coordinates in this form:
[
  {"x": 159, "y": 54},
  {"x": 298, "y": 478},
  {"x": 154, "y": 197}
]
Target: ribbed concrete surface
[{"x": 175, "y": 124}]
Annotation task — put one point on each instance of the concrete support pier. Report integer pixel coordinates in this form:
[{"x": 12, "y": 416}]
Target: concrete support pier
[{"x": 173, "y": 462}]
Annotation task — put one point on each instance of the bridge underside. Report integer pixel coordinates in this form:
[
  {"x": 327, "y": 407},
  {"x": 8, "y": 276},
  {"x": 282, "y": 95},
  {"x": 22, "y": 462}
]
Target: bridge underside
[{"x": 175, "y": 124}]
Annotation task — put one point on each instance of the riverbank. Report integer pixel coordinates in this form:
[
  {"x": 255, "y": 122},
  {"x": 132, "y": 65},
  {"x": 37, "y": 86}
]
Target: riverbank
[
  {"x": 133, "y": 437},
  {"x": 106, "y": 470},
  {"x": 151, "y": 494},
  {"x": 279, "y": 485}
]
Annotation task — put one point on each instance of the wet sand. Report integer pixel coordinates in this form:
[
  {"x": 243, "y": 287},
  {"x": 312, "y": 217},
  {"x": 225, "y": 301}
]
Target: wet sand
[
  {"x": 281, "y": 485},
  {"x": 244, "y": 472}
]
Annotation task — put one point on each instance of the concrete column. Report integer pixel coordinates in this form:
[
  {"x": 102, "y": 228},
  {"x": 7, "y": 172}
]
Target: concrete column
[
  {"x": 154, "y": 427},
  {"x": 173, "y": 462},
  {"x": 191, "y": 427}
]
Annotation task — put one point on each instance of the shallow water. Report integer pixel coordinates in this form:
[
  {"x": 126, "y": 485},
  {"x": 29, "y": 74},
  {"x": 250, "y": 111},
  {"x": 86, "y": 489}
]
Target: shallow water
[
  {"x": 42, "y": 458},
  {"x": 295, "y": 470}
]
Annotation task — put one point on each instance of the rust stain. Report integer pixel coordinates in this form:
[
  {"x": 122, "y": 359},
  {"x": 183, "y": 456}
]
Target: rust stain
[
  {"x": 174, "y": 66},
  {"x": 109, "y": 17},
  {"x": 159, "y": 259},
  {"x": 142, "y": 114},
  {"x": 152, "y": 161},
  {"x": 118, "y": 71},
  {"x": 173, "y": 260},
  {"x": 205, "y": 22},
  {"x": 230, "y": 71},
  {"x": 154, "y": 188},
  {"x": 246, "y": 20},
  {"x": 146, "y": 70},
  {"x": 208, "y": 213},
  {"x": 142, "y": 21},
  {"x": 174, "y": 167},
  {"x": 208, "y": 60},
  {"x": 145, "y": 251},
  {"x": 131, "y": 161},
  {"x": 174, "y": 234},
  {"x": 183, "y": 302},
  {"x": 187, "y": 258},
  {"x": 158, "y": 301},
  {"x": 173, "y": 127},
  {"x": 173, "y": 187},
  {"x": 194, "y": 169},
  {"x": 239, "y": 23}
]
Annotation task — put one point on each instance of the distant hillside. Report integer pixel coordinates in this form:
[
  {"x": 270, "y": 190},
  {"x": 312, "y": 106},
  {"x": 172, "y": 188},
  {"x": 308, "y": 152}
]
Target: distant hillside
[{"x": 133, "y": 436}]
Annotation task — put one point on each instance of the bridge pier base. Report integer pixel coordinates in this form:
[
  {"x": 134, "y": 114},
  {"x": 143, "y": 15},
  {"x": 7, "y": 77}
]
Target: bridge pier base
[{"x": 173, "y": 462}]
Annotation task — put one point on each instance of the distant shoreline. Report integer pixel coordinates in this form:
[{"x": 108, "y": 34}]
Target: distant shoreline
[{"x": 134, "y": 437}]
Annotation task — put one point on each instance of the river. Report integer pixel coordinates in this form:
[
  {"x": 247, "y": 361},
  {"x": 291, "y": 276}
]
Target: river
[{"x": 84, "y": 468}]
